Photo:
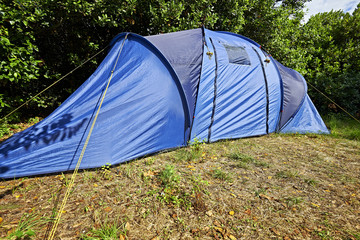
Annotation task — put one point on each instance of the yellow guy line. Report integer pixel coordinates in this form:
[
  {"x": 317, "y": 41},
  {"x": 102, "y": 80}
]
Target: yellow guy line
[
  {"x": 29, "y": 100},
  {"x": 68, "y": 190},
  {"x": 334, "y": 103}
]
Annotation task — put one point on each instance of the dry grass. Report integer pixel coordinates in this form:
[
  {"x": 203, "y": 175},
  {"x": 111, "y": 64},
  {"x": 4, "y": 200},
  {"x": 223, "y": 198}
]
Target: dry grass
[{"x": 270, "y": 187}]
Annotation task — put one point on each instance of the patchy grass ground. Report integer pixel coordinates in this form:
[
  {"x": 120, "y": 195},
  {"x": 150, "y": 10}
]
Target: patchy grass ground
[{"x": 270, "y": 187}]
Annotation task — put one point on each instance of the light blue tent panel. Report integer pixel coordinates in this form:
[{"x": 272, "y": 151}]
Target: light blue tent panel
[
  {"x": 306, "y": 120},
  {"x": 143, "y": 112}
]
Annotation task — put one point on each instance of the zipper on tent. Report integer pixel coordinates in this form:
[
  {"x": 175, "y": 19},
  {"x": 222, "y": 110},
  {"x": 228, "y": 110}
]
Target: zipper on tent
[
  {"x": 293, "y": 115},
  {"x": 282, "y": 96},
  {"x": 215, "y": 91},
  {"x": 198, "y": 86},
  {"x": 267, "y": 92}
]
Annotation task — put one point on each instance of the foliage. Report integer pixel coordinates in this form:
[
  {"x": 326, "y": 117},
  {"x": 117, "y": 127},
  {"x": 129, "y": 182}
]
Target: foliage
[
  {"x": 330, "y": 42},
  {"x": 20, "y": 63},
  {"x": 42, "y": 40},
  {"x": 106, "y": 171}
]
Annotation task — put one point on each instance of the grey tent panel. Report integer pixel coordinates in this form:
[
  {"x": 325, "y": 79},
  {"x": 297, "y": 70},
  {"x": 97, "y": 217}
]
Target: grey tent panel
[
  {"x": 184, "y": 52},
  {"x": 294, "y": 92}
]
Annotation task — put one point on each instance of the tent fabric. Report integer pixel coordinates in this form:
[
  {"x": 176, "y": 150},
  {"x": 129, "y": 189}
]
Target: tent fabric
[
  {"x": 183, "y": 50},
  {"x": 142, "y": 113},
  {"x": 165, "y": 90},
  {"x": 240, "y": 101},
  {"x": 306, "y": 120},
  {"x": 294, "y": 87},
  {"x": 273, "y": 78},
  {"x": 240, "y": 104}
]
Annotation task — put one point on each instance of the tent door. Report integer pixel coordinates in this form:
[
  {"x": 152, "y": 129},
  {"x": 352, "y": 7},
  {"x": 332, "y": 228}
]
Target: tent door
[{"x": 240, "y": 106}]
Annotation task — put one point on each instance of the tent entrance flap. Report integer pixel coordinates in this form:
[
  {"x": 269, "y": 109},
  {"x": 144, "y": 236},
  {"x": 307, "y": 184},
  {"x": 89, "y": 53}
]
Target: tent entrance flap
[
  {"x": 294, "y": 90},
  {"x": 240, "y": 108}
]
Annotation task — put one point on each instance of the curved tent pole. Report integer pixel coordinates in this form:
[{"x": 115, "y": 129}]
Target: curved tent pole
[{"x": 172, "y": 72}]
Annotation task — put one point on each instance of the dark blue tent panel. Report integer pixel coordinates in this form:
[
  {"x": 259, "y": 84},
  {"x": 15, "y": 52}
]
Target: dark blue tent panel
[
  {"x": 294, "y": 87},
  {"x": 165, "y": 90},
  {"x": 183, "y": 50}
]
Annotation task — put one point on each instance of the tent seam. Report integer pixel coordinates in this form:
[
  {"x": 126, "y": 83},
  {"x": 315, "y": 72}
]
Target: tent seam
[
  {"x": 215, "y": 91},
  {"x": 266, "y": 90},
  {"x": 300, "y": 105},
  {"x": 198, "y": 86},
  {"x": 282, "y": 95}
]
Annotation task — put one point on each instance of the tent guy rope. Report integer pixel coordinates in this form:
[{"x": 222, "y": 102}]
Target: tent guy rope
[
  {"x": 357, "y": 120},
  {"x": 72, "y": 180},
  {"x": 51, "y": 85}
]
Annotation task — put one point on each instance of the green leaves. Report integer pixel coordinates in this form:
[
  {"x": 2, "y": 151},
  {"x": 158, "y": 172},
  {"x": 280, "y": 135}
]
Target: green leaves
[
  {"x": 331, "y": 43},
  {"x": 42, "y": 40}
]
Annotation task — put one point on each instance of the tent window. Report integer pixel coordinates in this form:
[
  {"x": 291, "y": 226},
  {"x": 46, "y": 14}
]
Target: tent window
[{"x": 237, "y": 55}]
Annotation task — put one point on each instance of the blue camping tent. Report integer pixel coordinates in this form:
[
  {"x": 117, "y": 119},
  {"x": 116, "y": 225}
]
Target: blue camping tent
[{"x": 165, "y": 91}]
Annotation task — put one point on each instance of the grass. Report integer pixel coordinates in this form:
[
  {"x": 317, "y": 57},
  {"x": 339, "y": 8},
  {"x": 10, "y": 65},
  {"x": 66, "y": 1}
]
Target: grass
[
  {"x": 343, "y": 127},
  {"x": 7, "y": 129},
  {"x": 222, "y": 175},
  {"x": 183, "y": 155},
  {"x": 287, "y": 174},
  {"x": 169, "y": 177},
  {"x": 9, "y": 207},
  {"x": 107, "y": 231},
  {"x": 28, "y": 226},
  {"x": 279, "y": 186},
  {"x": 291, "y": 201},
  {"x": 191, "y": 153},
  {"x": 311, "y": 182},
  {"x": 245, "y": 161}
]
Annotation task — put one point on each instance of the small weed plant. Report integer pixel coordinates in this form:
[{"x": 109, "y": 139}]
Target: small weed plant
[
  {"x": 172, "y": 194},
  {"x": 108, "y": 231},
  {"x": 199, "y": 185},
  {"x": 245, "y": 161},
  {"x": 27, "y": 227},
  {"x": 196, "y": 144},
  {"x": 196, "y": 147},
  {"x": 260, "y": 191},
  {"x": 106, "y": 171},
  {"x": 311, "y": 182},
  {"x": 291, "y": 201},
  {"x": 149, "y": 161},
  {"x": 222, "y": 175},
  {"x": 169, "y": 177},
  {"x": 175, "y": 197},
  {"x": 286, "y": 174}
]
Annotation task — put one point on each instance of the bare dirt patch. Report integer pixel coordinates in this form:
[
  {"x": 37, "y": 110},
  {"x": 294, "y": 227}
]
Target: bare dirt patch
[{"x": 270, "y": 187}]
